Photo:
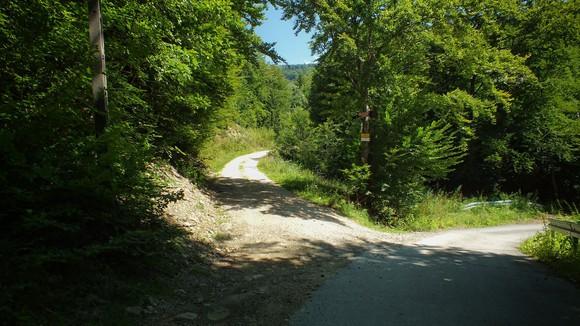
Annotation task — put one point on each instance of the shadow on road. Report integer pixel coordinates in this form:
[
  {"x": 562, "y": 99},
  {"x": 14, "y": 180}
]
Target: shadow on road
[
  {"x": 375, "y": 284},
  {"x": 421, "y": 285},
  {"x": 268, "y": 198}
]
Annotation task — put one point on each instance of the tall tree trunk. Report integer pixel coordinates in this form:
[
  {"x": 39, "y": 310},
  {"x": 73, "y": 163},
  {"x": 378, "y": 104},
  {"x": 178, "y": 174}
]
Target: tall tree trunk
[
  {"x": 365, "y": 130},
  {"x": 99, "y": 84}
]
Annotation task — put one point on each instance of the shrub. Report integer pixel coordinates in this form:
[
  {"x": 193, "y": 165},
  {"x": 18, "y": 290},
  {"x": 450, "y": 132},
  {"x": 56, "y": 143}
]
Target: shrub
[
  {"x": 73, "y": 210},
  {"x": 356, "y": 179},
  {"x": 555, "y": 249},
  {"x": 324, "y": 149},
  {"x": 427, "y": 154}
]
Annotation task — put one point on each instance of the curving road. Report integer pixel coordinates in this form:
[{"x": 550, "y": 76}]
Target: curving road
[
  {"x": 458, "y": 277},
  {"x": 465, "y": 277}
]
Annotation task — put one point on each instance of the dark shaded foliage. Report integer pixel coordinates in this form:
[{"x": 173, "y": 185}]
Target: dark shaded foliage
[{"x": 68, "y": 198}]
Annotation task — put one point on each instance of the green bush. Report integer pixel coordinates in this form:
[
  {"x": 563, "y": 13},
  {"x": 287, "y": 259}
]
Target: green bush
[
  {"x": 408, "y": 163},
  {"x": 295, "y": 131},
  {"x": 556, "y": 250},
  {"x": 71, "y": 210},
  {"x": 322, "y": 148},
  {"x": 357, "y": 179},
  {"x": 397, "y": 181}
]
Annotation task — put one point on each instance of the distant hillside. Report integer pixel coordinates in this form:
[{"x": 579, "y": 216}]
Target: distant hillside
[{"x": 291, "y": 72}]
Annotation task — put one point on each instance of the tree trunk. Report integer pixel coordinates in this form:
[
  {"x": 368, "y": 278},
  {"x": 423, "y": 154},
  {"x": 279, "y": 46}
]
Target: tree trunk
[
  {"x": 99, "y": 84},
  {"x": 365, "y": 129}
]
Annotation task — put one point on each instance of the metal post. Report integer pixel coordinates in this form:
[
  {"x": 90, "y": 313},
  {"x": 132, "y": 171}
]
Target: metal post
[{"x": 99, "y": 72}]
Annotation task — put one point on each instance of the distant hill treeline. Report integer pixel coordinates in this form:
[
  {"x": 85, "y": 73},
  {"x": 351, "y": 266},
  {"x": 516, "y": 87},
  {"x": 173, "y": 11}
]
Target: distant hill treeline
[{"x": 291, "y": 72}]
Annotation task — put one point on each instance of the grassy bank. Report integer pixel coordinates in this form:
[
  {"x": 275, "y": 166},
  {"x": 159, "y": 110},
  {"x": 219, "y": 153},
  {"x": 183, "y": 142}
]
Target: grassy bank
[
  {"x": 555, "y": 249},
  {"x": 315, "y": 188},
  {"x": 435, "y": 212},
  {"x": 233, "y": 142},
  {"x": 444, "y": 211}
]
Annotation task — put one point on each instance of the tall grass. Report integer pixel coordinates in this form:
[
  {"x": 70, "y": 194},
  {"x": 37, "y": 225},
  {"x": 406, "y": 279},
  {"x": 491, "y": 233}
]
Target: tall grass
[
  {"x": 555, "y": 249},
  {"x": 435, "y": 212},
  {"x": 443, "y": 211},
  {"x": 316, "y": 189},
  {"x": 233, "y": 142}
]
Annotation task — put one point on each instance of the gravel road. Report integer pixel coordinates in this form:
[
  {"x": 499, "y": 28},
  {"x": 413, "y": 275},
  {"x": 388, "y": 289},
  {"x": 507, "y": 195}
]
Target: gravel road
[{"x": 275, "y": 215}]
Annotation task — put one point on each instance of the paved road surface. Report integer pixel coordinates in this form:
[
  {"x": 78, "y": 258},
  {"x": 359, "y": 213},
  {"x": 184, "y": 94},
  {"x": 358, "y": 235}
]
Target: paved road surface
[{"x": 467, "y": 277}]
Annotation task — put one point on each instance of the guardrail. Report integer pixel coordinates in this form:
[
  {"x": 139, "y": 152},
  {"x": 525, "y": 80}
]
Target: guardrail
[
  {"x": 571, "y": 229},
  {"x": 507, "y": 202},
  {"x": 488, "y": 203}
]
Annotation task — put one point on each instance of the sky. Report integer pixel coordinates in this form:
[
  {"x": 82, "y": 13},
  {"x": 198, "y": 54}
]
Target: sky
[{"x": 293, "y": 48}]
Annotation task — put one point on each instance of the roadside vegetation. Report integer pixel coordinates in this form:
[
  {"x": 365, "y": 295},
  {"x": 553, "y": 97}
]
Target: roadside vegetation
[
  {"x": 435, "y": 211},
  {"x": 466, "y": 107},
  {"x": 438, "y": 211},
  {"x": 232, "y": 142},
  {"x": 556, "y": 250},
  {"x": 316, "y": 189}
]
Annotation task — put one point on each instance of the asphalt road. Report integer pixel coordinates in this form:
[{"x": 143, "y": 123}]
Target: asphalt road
[{"x": 465, "y": 277}]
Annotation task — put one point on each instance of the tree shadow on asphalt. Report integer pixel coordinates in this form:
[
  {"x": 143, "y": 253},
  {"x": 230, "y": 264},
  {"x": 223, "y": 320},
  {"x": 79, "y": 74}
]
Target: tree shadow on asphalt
[
  {"x": 385, "y": 283},
  {"x": 268, "y": 198},
  {"x": 414, "y": 285}
]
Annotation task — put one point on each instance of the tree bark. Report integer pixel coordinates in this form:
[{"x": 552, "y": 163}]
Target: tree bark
[
  {"x": 365, "y": 129},
  {"x": 99, "y": 84}
]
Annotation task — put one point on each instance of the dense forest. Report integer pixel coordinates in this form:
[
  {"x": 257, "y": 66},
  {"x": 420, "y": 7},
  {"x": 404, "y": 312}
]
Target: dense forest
[
  {"x": 479, "y": 97},
  {"x": 293, "y": 72}
]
